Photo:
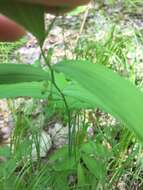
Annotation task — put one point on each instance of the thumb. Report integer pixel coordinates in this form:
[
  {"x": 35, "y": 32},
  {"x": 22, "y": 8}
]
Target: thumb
[{"x": 9, "y": 30}]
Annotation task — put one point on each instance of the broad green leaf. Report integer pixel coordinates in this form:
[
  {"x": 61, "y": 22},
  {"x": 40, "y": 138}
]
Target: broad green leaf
[
  {"x": 64, "y": 164},
  {"x": 5, "y": 151},
  {"x": 96, "y": 167},
  {"x": 61, "y": 160},
  {"x": 30, "y": 89},
  {"x": 16, "y": 73},
  {"x": 112, "y": 93},
  {"x": 73, "y": 103},
  {"x": 81, "y": 176},
  {"x": 59, "y": 154},
  {"x": 82, "y": 98},
  {"x": 77, "y": 97},
  {"x": 97, "y": 149},
  {"x": 28, "y": 15},
  {"x": 35, "y": 90},
  {"x": 61, "y": 180},
  {"x": 8, "y": 167}
]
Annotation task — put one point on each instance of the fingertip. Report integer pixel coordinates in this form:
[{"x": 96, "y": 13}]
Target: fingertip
[{"x": 9, "y": 30}]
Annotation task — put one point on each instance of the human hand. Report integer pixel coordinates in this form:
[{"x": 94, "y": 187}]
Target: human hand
[
  {"x": 57, "y": 3},
  {"x": 10, "y": 31}
]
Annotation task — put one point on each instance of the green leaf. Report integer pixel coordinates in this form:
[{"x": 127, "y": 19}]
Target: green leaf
[
  {"x": 32, "y": 89},
  {"x": 97, "y": 149},
  {"x": 59, "y": 154},
  {"x": 82, "y": 98},
  {"x": 61, "y": 180},
  {"x": 66, "y": 164},
  {"x": 5, "y": 151},
  {"x": 112, "y": 93},
  {"x": 81, "y": 176},
  {"x": 76, "y": 96},
  {"x": 60, "y": 160},
  {"x": 28, "y": 15},
  {"x": 95, "y": 167},
  {"x": 16, "y": 73}
]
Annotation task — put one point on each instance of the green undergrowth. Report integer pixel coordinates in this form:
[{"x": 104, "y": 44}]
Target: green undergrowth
[{"x": 7, "y": 49}]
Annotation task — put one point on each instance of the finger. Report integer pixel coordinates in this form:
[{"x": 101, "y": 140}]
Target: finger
[
  {"x": 9, "y": 30},
  {"x": 58, "y": 3},
  {"x": 58, "y": 10},
  {"x": 57, "y": 6}
]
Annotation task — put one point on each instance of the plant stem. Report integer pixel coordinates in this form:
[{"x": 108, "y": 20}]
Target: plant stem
[{"x": 58, "y": 89}]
